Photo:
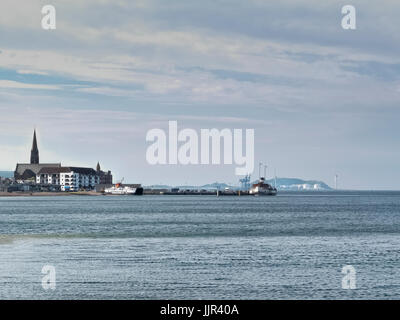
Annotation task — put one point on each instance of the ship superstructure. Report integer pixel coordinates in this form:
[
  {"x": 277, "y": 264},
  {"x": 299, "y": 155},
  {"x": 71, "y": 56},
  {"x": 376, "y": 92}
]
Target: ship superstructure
[{"x": 262, "y": 188}]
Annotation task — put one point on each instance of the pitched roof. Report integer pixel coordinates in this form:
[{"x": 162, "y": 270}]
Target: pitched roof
[
  {"x": 56, "y": 170},
  {"x": 35, "y": 168},
  {"x": 53, "y": 170}
]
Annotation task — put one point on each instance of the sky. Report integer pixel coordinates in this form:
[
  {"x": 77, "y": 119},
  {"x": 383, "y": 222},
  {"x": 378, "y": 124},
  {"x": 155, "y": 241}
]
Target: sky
[{"x": 322, "y": 100}]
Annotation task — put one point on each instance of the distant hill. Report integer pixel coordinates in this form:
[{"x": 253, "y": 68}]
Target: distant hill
[
  {"x": 216, "y": 185},
  {"x": 293, "y": 184},
  {"x": 6, "y": 174},
  {"x": 298, "y": 184}
]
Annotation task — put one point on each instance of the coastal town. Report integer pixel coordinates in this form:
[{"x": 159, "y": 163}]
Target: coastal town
[{"x": 44, "y": 178}]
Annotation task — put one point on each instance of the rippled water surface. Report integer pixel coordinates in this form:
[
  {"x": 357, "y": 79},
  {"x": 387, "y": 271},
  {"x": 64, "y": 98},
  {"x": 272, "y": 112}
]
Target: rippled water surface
[{"x": 292, "y": 246}]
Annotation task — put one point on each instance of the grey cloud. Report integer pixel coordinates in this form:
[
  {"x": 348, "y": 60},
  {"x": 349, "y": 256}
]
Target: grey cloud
[{"x": 374, "y": 69}]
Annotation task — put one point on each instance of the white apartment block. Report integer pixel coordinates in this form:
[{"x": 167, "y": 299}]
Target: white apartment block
[{"x": 69, "y": 178}]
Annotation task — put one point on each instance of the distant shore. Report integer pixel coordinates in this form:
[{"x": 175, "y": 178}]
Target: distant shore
[
  {"x": 47, "y": 194},
  {"x": 154, "y": 193}
]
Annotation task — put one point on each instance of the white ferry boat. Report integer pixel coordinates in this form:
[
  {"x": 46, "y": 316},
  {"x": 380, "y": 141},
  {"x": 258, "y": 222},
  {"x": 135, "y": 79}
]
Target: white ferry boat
[
  {"x": 262, "y": 189},
  {"x": 118, "y": 189}
]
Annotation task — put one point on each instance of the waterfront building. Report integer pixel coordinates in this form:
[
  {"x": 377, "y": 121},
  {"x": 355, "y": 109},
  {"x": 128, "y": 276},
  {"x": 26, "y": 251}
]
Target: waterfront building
[{"x": 69, "y": 178}]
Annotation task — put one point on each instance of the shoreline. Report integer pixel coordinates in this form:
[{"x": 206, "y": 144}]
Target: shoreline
[
  {"x": 48, "y": 194},
  {"x": 157, "y": 193}
]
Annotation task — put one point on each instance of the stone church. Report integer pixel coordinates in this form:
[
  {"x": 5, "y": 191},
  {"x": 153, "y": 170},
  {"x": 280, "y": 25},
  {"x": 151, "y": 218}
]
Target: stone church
[{"x": 28, "y": 171}]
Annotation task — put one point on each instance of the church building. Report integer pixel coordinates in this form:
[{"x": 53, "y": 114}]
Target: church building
[
  {"x": 28, "y": 171},
  {"x": 106, "y": 178}
]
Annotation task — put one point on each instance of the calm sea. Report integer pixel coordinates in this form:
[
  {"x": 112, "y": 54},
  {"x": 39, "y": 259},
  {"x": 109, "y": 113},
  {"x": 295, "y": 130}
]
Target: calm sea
[{"x": 292, "y": 246}]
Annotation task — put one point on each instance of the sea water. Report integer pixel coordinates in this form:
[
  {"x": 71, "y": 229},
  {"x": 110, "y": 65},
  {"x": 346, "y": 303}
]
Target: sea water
[{"x": 292, "y": 246}]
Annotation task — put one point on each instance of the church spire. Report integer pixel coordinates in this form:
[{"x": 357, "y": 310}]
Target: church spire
[{"x": 34, "y": 151}]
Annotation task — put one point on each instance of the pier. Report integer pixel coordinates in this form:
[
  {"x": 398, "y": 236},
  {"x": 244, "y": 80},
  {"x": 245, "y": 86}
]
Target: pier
[{"x": 195, "y": 192}]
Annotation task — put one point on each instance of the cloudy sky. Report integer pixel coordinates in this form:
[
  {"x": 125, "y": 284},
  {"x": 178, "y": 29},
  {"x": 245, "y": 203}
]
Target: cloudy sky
[{"x": 322, "y": 100}]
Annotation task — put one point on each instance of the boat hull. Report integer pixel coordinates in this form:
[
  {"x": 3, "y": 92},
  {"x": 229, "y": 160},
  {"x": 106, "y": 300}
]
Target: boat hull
[
  {"x": 123, "y": 191},
  {"x": 264, "y": 193}
]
